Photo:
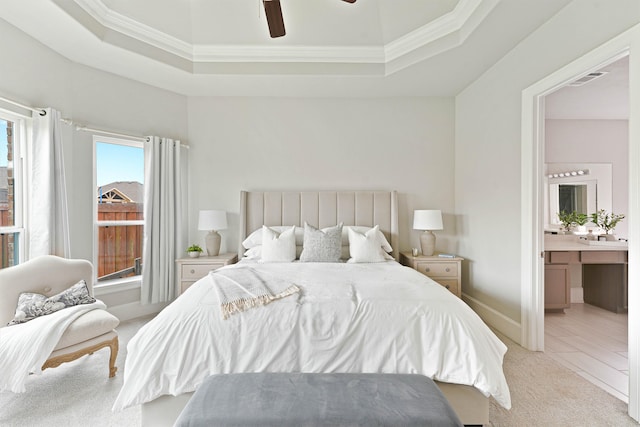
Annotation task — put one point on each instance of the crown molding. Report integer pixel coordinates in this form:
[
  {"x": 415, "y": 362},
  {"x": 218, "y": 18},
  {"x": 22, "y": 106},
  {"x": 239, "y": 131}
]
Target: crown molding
[
  {"x": 447, "y": 24},
  {"x": 430, "y": 39},
  {"x": 247, "y": 53},
  {"x": 130, "y": 27}
]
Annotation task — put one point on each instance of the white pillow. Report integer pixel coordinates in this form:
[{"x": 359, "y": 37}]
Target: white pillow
[
  {"x": 255, "y": 239},
  {"x": 278, "y": 247},
  {"x": 366, "y": 247},
  {"x": 253, "y": 253},
  {"x": 256, "y": 252},
  {"x": 362, "y": 230}
]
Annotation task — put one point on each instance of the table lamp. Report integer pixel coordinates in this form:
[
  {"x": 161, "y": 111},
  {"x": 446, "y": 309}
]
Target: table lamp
[
  {"x": 427, "y": 220},
  {"x": 212, "y": 221}
]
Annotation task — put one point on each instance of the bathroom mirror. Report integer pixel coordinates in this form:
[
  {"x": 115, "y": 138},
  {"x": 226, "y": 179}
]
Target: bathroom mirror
[
  {"x": 574, "y": 197},
  {"x": 583, "y": 187}
]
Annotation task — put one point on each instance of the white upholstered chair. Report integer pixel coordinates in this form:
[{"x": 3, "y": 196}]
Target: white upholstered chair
[{"x": 49, "y": 275}]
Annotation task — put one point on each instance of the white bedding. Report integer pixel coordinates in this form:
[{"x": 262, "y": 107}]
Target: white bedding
[
  {"x": 379, "y": 317},
  {"x": 26, "y": 346}
]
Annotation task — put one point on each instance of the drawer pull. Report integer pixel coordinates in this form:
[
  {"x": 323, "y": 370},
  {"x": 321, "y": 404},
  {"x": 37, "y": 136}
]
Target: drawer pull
[
  {"x": 447, "y": 286},
  {"x": 427, "y": 269},
  {"x": 192, "y": 271},
  {"x": 447, "y": 269}
]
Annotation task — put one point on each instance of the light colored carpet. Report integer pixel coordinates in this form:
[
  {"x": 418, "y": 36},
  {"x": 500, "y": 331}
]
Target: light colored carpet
[
  {"x": 75, "y": 394},
  {"x": 543, "y": 393}
]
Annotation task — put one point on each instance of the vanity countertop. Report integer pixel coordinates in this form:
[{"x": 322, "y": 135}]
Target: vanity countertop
[{"x": 574, "y": 243}]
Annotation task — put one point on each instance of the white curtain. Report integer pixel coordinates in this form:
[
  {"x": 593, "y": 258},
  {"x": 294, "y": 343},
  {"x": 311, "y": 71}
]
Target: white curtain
[
  {"x": 164, "y": 221},
  {"x": 48, "y": 227}
]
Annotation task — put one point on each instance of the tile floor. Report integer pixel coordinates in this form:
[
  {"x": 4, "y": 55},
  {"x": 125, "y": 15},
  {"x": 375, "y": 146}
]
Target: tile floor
[{"x": 593, "y": 343}]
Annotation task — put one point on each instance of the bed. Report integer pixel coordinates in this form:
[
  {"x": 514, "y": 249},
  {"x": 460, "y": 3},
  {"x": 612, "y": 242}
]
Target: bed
[{"x": 348, "y": 317}]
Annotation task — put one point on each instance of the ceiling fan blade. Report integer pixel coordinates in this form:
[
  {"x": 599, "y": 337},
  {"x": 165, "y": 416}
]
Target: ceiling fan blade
[{"x": 274, "y": 17}]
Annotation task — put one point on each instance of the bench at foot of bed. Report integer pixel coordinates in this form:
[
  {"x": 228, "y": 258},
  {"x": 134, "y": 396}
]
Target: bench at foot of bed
[{"x": 294, "y": 399}]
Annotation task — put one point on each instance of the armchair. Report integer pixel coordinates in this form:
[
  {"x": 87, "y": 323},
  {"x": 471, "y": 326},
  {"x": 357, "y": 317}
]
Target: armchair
[{"x": 49, "y": 275}]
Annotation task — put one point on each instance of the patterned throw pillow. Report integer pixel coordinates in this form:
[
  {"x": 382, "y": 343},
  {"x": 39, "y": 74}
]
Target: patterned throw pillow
[
  {"x": 321, "y": 245},
  {"x": 32, "y": 305}
]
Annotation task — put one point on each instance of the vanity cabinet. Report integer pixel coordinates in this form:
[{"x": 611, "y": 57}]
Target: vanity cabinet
[
  {"x": 604, "y": 278},
  {"x": 557, "y": 287},
  {"x": 557, "y": 280}
]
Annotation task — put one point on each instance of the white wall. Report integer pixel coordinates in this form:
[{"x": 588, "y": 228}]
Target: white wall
[
  {"x": 594, "y": 141},
  {"x": 403, "y": 144},
  {"x": 34, "y": 75},
  {"x": 488, "y": 139}
]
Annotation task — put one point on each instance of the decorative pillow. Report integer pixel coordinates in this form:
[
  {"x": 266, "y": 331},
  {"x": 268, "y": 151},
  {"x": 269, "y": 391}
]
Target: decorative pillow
[
  {"x": 278, "y": 247},
  {"x": 366, "y": 247},
  {"x": 32, "y": 305},
  {"x": 256, "y": 252},
  {"x": 253, "y": 253},
  {"x": 362, "y": 230},
  {"x": 255, "y": 239},
  {"x": 322, "y": 245}
]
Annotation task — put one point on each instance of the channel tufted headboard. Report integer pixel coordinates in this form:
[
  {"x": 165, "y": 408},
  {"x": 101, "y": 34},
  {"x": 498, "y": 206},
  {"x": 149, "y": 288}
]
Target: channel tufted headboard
[{"x": 320, "y": 209}]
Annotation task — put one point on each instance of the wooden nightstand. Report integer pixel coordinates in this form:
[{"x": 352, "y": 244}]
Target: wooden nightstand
[
  {"x": 445, "y": 271},
  {"x": 192, "y": 269}
]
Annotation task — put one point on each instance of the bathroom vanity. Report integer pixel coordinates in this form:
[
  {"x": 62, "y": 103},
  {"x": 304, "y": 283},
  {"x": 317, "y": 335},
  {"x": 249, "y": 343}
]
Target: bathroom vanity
[{"x": 603, "y": 267}]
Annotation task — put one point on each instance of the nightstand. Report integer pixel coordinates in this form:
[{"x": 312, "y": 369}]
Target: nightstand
[
  {"x": 445, "y": 271},
  {"x": 192, "y": 269}
]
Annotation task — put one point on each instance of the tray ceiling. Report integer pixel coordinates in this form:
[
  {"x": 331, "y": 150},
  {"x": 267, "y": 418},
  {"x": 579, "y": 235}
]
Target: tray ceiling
[{"x": 222, "y": 47}]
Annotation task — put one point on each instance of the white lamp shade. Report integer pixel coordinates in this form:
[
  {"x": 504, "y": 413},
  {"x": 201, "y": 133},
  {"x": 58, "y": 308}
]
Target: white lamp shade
[
  {"x": 427, "y": 220},
  {"x": 212, "y": 220}
]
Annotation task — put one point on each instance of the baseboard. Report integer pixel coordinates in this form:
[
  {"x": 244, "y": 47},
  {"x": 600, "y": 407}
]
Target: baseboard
[
  {"x": 495, "y": 319},
  {"x": 577, "y": 295},
  {"x": 133, "y": 310}
]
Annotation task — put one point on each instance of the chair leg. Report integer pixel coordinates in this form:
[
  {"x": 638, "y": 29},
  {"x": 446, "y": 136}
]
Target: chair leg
[{"x": 113, "y": 346}]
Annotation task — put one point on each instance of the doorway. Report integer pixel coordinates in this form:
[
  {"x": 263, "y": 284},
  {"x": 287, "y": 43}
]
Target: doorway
[
  {"x": 587, "y": 339},
  {"x": 532, "y": 242}
]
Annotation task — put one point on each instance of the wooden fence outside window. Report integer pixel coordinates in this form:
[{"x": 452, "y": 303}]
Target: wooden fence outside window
[{"x": 119, "y": 247}]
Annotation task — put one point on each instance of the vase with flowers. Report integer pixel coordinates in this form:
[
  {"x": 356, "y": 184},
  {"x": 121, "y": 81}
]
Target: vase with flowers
[{"x": 607, "y": 222}]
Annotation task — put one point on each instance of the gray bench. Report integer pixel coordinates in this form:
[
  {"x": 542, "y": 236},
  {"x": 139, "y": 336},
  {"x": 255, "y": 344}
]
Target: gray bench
[{"x": 296, "y": 399}]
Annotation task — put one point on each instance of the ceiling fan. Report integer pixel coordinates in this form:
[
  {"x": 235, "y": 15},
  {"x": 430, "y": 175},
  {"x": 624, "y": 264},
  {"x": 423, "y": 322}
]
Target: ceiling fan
[{"x": 274, "y": 17}]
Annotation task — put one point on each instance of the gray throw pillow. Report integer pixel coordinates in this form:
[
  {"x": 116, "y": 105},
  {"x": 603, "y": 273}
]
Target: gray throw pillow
[
  {"x": 32, "y": 305},
  {"x": 321, "y": 245}
]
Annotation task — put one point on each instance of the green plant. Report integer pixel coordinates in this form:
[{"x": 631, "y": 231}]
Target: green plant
[
  {"x": 606, "y": 221},
  {"x": 567, "y": 219},
  {"x": 194, "y": 248},
  {"x": 580, "y": 218}
]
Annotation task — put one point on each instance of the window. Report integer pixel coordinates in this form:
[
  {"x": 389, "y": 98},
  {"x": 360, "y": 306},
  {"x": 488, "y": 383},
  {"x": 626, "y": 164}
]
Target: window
[
  {"x": 119, "y": 208},
  {"x": 11, "y": 190}
]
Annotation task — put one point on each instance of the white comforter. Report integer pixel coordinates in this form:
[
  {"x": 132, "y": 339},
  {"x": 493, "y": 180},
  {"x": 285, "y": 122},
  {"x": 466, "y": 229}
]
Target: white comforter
[{"x": 379, "y": 317}]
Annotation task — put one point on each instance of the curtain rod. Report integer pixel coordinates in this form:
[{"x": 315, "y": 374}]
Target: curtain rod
[
  {"x": 26, "y": 107},
  {"x": 104, "y": 132},
  {"x": 70, "y": 122}
]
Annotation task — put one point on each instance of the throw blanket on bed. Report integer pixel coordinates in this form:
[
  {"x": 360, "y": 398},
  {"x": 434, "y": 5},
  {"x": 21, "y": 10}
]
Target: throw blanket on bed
[
  {"x": 243, "y": 288},
  {"x": 25, "y": 347}
]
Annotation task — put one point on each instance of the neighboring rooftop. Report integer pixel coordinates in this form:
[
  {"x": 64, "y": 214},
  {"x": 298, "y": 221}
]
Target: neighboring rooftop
[{"x": 122, "y": 192}]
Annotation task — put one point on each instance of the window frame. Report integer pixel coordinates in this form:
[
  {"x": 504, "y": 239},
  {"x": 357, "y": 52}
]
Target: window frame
[
  {"x": 115, "y": 285},
  {"x": 19, "y": 150}
]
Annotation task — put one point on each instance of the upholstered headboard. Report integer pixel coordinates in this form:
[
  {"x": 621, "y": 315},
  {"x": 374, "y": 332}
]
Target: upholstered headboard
[
  {"x": 46, "y": 275},
  {"x": 320, "y": 209}
]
